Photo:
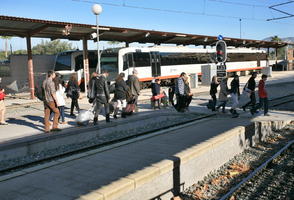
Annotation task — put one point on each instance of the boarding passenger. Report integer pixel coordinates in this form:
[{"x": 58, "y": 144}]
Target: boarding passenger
[
  {"x": 90, "y": 87},
  {"x": 263, "y": 97},
  {"x": 235, "y": 95},
  {"x": 171, "y": 92},
  {"x": 156, "y": 93},
  {"x": 213, "y": 90},
  {"x": 223, "y": 94},
  {"x": 250, "y": 87},
  {"x": 134, "y": 85},
  {"x": 60, "y": 90},
  {"x": 180, "y": 93},
  {"x": 2, "y": 106},
  {"x": 73, "y": 91},
  {"x": 50, "y": 102},
  {"x": 187, "y": 92},
  {"x": 120, "y": 94},
  {"x": 101, "y": 96}
]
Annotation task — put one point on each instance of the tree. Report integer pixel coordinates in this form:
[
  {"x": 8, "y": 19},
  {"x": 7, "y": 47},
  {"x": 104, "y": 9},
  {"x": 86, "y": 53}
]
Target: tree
[
  {"x": 280, "y": 51},
  {"x": 6, "y": 38},
  {"x": 52, "y": 47}
]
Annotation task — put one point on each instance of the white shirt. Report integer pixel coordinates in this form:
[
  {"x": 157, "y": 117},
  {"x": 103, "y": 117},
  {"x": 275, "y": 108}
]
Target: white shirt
[{"x": 60, "y": 95}]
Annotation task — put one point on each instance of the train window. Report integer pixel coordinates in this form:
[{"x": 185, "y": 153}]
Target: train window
[
  {"x": 125, "y": 61},
  {"x": 141, "y": 59}
]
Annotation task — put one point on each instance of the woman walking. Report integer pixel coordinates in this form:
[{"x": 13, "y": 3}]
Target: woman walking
[
  {"x": 235, "y": 94},
  {"x": 121, "y": 89},
  {"x": 213, "y": 90},
  {"x": 223, "y": 94},
  {"x": 73, "y": 91},
  {"x": 60, "y": 90}
]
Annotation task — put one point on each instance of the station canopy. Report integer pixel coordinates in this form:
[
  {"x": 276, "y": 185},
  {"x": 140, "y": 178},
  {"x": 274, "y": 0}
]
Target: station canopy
[{"x": 25, "y": 27}]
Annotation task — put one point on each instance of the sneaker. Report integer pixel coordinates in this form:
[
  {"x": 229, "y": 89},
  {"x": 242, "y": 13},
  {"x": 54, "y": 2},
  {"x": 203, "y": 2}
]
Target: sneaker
[{"x": 244, "y": 108}]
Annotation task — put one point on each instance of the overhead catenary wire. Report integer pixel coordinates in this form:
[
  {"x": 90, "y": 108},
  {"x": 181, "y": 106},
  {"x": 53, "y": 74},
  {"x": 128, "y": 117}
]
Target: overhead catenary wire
[{"x": 177, "y": 11}]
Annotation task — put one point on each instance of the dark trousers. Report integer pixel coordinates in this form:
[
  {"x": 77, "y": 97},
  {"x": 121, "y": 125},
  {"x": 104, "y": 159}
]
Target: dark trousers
[
  {"x": 188, "y": 101},
  {"x": 97, "y": 109},
  {"x": 213, "y": 96},
  {"x": 252, "y": 101},
  {"x": 263, "y": 102},
  {"x": 181, "y": 103},
  {"x": 171, "y": 94},
  {"x": 222, "y": 104},
  {"x": 48, "y": 107},
  {"x": 74, "y": 103}
]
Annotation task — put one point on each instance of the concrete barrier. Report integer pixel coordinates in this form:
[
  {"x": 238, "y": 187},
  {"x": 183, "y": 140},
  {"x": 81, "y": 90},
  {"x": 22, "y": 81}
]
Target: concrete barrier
[{"x": 168, "y": 177}]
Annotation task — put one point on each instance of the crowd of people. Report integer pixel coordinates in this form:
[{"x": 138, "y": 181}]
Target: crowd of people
[
  {"x": 234, "y": 93},
  {"x": 126, "y": 93}
]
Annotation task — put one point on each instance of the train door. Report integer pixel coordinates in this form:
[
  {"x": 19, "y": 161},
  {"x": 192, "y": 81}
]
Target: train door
[{"x": 155, "y": 64}]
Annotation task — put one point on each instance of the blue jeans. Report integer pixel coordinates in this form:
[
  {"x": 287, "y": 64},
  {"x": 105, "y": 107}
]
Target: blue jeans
[{"x": 61, "y": 111}]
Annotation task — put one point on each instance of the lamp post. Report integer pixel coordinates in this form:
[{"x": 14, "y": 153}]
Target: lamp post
[
  {"x": 97, "y": 9},
  {"x": 240, "y": 20}
]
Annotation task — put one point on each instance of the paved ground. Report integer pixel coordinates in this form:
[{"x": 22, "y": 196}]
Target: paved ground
[{"x": 25, "y": 116}]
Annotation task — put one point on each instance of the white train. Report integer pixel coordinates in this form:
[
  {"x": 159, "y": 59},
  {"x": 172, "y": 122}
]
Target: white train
[{"x": 162, "y": 62}]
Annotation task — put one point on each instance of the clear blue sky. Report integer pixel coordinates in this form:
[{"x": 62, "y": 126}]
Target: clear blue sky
[{"x": 206, "y": 17}]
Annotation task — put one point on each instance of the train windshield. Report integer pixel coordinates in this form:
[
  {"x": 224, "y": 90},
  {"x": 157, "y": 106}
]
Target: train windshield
[{"x": 63, "y": 62}]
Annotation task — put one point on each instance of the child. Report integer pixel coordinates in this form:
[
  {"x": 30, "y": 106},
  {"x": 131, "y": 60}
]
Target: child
[
  {"x": 263, "y": 98},
  {"x": 2, "y": 106}
]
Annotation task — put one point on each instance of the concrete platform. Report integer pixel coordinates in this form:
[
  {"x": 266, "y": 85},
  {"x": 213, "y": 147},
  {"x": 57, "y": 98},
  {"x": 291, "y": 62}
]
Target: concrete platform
[
  {"x": 25, "y": 116},
  {"x": 158, "y": 166}
]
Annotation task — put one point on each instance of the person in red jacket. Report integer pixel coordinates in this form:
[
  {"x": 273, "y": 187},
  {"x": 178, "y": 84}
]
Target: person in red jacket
[
  {"x": 2, "y": 106},
  {"x": 263, "y": 98}
]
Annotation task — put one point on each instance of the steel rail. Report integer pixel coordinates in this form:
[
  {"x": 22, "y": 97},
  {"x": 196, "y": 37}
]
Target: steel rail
[{"x": 257, "y": 170}]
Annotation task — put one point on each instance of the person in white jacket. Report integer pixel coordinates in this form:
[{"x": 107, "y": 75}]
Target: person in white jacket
[{"x": 60, "y": 90}]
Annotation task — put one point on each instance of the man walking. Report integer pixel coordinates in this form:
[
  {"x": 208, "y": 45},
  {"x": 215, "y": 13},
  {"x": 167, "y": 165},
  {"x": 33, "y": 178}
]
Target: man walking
[
  {"x": 134, "y": 85},
  {"x": 180, "y": 93},
  {"x": 235, "y": 94},
  {"x": 250, "y": 86},
  {"x": 101, "y": 96},
  {"x": 263, "y": 97},
  {"x": 50, "y": 102}
]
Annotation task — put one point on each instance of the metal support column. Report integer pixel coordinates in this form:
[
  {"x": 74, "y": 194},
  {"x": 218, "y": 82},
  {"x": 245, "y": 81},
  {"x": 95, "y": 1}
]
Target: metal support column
[
  {"x": 86, "y": 63},
  {"x": 30, "y": 68}
]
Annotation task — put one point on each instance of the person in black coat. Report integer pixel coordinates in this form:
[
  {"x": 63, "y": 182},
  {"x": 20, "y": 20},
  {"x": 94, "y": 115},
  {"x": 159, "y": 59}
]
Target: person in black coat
[
  {"x": 235, "y": 94},
  {"x": 155, "y": 88},
  {"x": 73, "y": 91},
  {"x": 251, "y": 85},
  {"x": 213, "y": 90},
  {"x": 120, "y": 93},
  {"x": 101, "y": 96}
]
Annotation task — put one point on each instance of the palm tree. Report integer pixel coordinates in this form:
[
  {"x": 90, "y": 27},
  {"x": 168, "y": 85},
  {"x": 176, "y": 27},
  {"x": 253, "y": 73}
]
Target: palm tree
[
  {"x": 276, "y": 39},
  {"x": 6, "y": 38}
]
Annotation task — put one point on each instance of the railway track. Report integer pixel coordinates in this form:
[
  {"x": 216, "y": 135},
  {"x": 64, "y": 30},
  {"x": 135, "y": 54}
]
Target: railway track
[{"x": 274, "y": 179}]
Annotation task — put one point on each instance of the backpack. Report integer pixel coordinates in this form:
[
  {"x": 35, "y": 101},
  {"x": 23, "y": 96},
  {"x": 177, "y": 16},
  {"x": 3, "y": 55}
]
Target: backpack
[{"x": 40, "y": 93}]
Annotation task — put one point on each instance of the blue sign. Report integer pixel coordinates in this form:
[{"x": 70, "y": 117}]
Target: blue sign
[{"x": 220, "y": 37}]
